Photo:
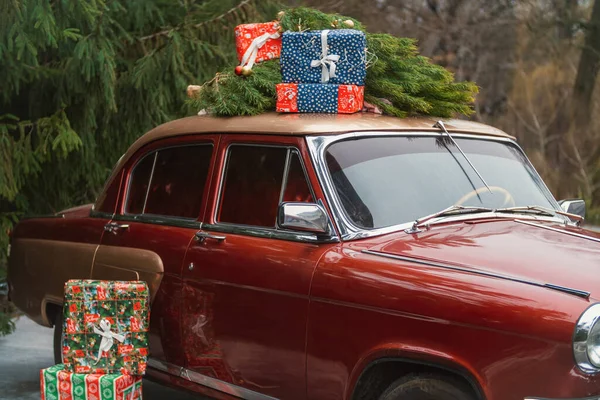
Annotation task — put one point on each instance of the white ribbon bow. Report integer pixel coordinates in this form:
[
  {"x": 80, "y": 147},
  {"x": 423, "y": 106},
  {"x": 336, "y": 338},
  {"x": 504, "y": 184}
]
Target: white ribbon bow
[
  {"x": 108, "y": 337},
  {"x": 326, "y": 60},
  {"x": 249, "y": 57}
]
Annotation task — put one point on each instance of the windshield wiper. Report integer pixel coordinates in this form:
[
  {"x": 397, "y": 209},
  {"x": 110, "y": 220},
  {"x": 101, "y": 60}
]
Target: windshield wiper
[
  {"x": 539, "y": 210},
  {"x": 447, "y": 211},
  {"x": 441, "y": 125},
  {"x": 453, "y": 210}
]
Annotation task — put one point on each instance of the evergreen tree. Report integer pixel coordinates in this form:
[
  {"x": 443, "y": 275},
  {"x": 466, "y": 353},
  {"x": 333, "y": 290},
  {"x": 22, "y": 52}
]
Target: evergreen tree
[{"x": 81, "y": 80}]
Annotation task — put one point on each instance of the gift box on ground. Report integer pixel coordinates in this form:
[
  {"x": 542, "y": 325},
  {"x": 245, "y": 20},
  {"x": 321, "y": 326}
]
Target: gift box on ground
[
  {"x": 261, "y": 41},
  {"x": 58, "y": 384},
  {"x": 106, "y": 327},
  {"x": 319, "y": 98},
  {"x": 335, "y": 56}
]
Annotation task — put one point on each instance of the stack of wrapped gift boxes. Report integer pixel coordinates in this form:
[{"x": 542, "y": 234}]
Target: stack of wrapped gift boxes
[
  {"x": 105, "y": 342},
  {"x": 322, "y": 71}
]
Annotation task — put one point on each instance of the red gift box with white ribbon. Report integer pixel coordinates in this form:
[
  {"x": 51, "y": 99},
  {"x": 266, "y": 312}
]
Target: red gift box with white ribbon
[{"x": 257, "y": 42}]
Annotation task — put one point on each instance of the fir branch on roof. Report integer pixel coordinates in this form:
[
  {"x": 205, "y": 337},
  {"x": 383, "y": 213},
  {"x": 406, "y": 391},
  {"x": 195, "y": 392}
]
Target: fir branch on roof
[{"x": 399, "y": 80}]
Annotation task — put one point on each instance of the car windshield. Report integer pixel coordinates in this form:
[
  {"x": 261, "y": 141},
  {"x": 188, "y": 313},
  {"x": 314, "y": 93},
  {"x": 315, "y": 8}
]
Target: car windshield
[{"x": 391, "y": 180}]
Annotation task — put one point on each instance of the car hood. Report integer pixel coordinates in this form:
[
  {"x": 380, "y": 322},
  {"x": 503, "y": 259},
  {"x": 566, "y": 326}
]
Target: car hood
[{"x": 542, "y": 252}]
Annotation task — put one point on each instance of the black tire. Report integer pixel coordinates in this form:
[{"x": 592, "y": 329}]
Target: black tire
[
  {"x": 427, "y": 387},
  {"x": 58, "y": 328}
]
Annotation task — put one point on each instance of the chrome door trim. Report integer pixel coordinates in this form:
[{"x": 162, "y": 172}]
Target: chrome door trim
[
  {"x": 550, "y": 228},
  {"x": 270, "y": 233},
  {"x": 478, "y": 271},
  {"x": 101, "y": 214},
  {"x": 348, "y": 230},
  {"x": 206, "y": 381},
  {"x": 159, "y": 220}
]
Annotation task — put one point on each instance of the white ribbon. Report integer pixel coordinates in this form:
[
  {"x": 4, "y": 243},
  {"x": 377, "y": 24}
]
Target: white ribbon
[
  {"x": 108, "y": 337},
  {"x": 252, "y": 51},
  {"x": 326, "y": 60}
]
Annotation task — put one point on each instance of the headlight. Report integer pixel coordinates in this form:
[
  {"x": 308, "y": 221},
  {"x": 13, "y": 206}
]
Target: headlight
[{"x": 586, "y": 340}]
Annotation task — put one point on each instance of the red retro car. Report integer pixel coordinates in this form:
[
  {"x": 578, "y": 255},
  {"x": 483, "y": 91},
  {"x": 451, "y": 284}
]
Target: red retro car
[{"x": 335, "y": 257}]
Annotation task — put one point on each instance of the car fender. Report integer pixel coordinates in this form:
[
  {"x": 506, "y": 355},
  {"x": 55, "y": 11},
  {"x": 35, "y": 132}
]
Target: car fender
[{"x": 414, "y": 354}]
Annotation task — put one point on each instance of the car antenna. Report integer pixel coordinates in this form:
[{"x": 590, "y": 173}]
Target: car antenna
[{"x": 441, "y": 126}]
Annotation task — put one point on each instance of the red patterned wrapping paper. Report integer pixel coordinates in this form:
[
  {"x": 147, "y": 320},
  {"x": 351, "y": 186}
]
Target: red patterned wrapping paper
[
  {"x": 246, "y": 33},
  {"x": 121, "y": 309},
  {"x": 343, "y": 99}
]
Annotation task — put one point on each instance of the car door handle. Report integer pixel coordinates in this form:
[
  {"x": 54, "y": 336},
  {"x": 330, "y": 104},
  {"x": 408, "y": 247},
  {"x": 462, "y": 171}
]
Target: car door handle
[
  {"x": 201, "y": 236},
  {"x": 113, "y": 227}
]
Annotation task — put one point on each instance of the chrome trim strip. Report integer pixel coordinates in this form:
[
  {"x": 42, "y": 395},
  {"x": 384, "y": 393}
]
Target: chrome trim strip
[
  {"x": 270, "y": 233},
  {"x": 149, "y": 182},
  {"x": 550, "y": 228},
  {"x": 164, "y": 366},
  {"x": 222, "y": 386},
  {"x": 206, "y": 381},
  {"x": 348, "y": 231},
  {"x": 100, "y": 214},
  {"x": 284, "y": 179},
  {"x": 159, "y": 220},
  {"x": 585, "y": 324},
  {"x": 575, "y": 292},
  {"x": 579, "y": 398}
]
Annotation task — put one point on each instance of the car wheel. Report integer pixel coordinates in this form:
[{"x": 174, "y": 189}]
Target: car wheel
[
  {"x": 58, "y": 330},
  {"x": 427, "y": 387}
]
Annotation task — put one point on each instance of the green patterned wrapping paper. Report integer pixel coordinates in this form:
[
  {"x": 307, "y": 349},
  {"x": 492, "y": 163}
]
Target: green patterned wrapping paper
[
  {"x": 106, "y": 327},
  {"x": 58, "y": 384}
]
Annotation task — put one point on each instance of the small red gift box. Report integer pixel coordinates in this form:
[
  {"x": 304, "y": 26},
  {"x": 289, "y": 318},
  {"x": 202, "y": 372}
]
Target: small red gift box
[
  {"x": 319, "y": 98},
  {"x": 268, "y": 48}
]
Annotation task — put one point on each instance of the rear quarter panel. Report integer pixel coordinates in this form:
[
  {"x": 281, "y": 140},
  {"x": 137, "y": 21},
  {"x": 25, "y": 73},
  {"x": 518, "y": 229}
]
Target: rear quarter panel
[
  {"x": 513, "y": 339},
  {"x": 45, "y": 253}
]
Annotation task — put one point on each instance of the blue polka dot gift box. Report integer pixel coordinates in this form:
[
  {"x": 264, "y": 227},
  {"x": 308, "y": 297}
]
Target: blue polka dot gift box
[
  {"x": 319, "y": 98},
  {"x": 330, "y": 56}
]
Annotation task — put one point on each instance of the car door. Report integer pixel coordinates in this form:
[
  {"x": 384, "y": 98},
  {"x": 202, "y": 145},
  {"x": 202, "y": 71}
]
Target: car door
[
  {"x": 247, "y": 283},
  {"x": 163, "y": 195}
]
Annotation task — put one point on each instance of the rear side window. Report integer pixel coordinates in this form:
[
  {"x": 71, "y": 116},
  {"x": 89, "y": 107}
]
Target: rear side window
[
  {"x": 170, "y": 182},
  {"x": 257, "y": 179}
]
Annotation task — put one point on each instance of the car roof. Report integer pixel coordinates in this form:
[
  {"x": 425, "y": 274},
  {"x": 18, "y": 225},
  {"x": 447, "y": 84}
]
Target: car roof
[
  {"x": 306, "y": 124},
  {"x": 311, "y": 124}
]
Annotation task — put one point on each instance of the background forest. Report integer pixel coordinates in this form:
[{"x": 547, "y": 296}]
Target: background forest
[{"x": 81, "y": 80}]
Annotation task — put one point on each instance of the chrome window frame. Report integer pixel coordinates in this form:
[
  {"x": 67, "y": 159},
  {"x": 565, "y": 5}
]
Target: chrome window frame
[
  {"x": 160, "y": 219},
  {"x": 318, "y": 144},
  {"x": 262, "y": 231}
]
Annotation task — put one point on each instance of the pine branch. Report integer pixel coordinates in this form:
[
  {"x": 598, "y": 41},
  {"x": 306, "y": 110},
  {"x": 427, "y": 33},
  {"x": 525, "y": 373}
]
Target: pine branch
[{"x": 218, "y": 18}]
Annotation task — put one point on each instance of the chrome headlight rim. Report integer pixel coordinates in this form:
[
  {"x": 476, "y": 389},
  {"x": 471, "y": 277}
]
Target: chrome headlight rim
[{"x": 585, "y": 324}]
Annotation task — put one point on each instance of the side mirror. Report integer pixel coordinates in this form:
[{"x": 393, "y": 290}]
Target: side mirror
[
  {"x": 306, "y": 217},
  {"x": 573, "y": 206}
]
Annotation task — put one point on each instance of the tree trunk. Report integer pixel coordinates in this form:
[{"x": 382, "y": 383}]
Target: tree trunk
[
  {"x": 567, "y": 10},
  {"x": 588, "y": 69}
]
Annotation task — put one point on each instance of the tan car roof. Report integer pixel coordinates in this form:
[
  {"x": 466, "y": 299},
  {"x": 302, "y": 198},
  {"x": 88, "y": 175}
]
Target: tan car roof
[{"x": 308, "y": 124}]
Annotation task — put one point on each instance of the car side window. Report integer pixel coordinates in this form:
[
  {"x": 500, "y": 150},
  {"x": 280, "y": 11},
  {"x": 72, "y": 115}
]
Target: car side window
[
  {"x": 170, "y": 182},
  {"x": 256, "y": 180}
]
